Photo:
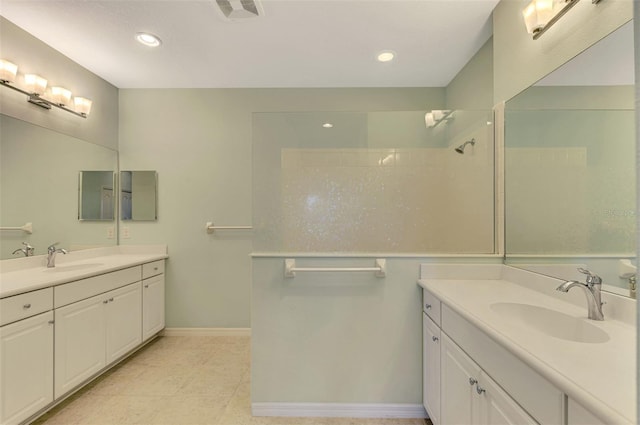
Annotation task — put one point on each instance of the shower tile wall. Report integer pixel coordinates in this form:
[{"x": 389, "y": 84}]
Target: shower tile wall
[{"x": 409, "y": 199}]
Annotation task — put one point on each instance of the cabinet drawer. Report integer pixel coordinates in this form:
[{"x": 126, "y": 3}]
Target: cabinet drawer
[
  {"x": 431, "y": 306},
  {"x": 25, "y": 305},
  {"x": 86, "y": 288},
  {"x": 152, "y": 269}
]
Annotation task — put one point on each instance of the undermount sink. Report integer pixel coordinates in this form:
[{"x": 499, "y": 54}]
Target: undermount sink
[
  {"x": 551, "y": 322},
  {"x": 72, "y": 267}
]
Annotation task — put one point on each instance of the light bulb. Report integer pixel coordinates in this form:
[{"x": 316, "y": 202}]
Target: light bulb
[
  {"x": 35, "y": 84},
  {"x": 8, "y": 71}
]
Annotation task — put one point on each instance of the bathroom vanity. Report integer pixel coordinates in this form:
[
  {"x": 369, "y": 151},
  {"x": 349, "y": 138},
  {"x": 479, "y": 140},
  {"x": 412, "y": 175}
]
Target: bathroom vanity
[
  {"x": 502, "y": 346},
  {"x": 61, "y": 327}
]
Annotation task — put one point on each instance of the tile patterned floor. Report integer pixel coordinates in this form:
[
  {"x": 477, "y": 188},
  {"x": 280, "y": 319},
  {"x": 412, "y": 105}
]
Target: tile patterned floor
[{"x": 181, "y": 381}]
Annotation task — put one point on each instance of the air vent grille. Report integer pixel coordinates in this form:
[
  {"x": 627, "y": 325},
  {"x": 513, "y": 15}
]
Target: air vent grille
[{"x": 233, "y": 10}]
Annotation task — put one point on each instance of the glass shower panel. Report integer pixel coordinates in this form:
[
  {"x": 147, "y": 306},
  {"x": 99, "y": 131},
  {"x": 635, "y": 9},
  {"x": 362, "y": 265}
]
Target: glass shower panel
[{"x": 372, "y": 182}]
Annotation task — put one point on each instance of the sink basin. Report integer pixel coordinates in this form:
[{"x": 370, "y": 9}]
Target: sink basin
[
  {"x": 551, "y": 322},
  {"x": 72, "y": 267}
]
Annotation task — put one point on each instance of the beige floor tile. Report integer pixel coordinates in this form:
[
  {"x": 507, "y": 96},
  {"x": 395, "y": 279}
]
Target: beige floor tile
[
  {"x": 191, "y": 410},
  {"x": 181, "y": 381}
]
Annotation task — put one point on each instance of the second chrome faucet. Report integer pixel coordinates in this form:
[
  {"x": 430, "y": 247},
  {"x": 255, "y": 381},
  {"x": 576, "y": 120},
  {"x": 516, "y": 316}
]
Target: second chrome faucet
[
  {"x": 51, "y": 254},
  {"x": 592, "y": 289}
]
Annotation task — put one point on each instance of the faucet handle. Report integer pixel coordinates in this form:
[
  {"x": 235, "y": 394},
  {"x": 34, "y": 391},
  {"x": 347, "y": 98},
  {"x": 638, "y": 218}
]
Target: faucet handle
[
  {"x": 592, "y": 279},
  {"x": 52, "y": 246}
]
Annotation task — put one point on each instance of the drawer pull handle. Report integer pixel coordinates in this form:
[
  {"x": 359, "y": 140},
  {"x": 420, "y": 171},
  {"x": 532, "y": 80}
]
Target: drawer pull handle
[
  {"x": 110, "y": 299},
  {"x": 105, "y": 301},
  {"x": 427, "y": 306},
  {"x": 26, "y": 306},
  {"x": 51, "y": 322},
  {"x": 480, "y": 390},
  {"x": 146, "y": 286},
  {"x": 472, "y": 381},
  {"x": 434, "y": 338},
  {"x": 155, "y": 269}
]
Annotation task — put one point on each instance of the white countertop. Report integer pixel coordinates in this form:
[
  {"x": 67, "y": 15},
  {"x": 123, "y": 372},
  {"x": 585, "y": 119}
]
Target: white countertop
[
  {"x": 23, "y": 275},
  {"x": 600, "y": 376}
]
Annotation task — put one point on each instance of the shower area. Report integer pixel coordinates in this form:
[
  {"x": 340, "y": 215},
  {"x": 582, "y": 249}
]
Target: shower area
[
  {"x": 373, "y": 182},
  {"x": 342, "y": 191}
]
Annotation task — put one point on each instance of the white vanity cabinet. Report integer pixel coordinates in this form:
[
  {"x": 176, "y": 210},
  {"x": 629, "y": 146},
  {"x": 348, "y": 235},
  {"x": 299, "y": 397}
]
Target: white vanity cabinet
[
  {"x": 152, "y": 299},
  {"x": 431, "y": 357},
  {"x": 456, "y": 389},
  {"x": 578, "y": 415},
  {"x": 95, "y": 332},
  {"x": 26, "y": 367},
  {"x": 470, "y": 396}
]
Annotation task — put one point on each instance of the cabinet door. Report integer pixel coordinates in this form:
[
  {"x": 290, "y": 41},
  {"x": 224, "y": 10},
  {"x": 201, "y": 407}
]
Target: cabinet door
[
  {"x": 152, "y": 306},
  {"x": 79, "y": 342},
  {"x": 26, "y": 367},
  {"x": 431, "y": 368},
  {"x": 459, "y": 374},
  {"x": 123, "y": 321},
  {"x": 497, "y": 407}
]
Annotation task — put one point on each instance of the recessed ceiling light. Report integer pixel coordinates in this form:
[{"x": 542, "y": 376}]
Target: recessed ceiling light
[
  {"x": 327, "y": 125},
  {"x": 386, "y": 56},
  {"x": 148, "y": 39}
]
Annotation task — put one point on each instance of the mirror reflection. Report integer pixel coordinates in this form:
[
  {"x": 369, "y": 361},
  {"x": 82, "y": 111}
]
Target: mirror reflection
[
  {"x": 570, "y": 167},
  {"x": 138, "y": 195},
  {"x": 39, "y": 184},
  {"x": 96, "y": 200}
]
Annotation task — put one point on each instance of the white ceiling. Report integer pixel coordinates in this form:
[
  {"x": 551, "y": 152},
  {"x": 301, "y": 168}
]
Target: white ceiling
[{"x": 296, "y": 43}]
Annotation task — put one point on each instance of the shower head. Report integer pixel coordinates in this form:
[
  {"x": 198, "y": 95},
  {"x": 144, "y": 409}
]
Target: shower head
[{"x": 460, "y": 149}]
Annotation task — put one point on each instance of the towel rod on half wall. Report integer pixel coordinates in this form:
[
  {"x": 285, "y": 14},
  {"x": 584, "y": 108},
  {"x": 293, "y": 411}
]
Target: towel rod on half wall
[
  {"x": 26, "y": 228},
  {"x": 210, "y": 227},
  {"x": 290, "y": 268}
]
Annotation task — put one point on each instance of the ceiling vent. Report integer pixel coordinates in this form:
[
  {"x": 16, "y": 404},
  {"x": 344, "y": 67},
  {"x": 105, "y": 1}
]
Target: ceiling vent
[{"x": 239, "y": 10}]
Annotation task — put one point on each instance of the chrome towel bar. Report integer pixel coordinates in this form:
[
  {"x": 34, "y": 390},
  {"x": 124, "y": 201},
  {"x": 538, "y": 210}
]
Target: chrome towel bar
[
  {"x": 210, "y": 227},
  {"x": 290, "y": 268}
]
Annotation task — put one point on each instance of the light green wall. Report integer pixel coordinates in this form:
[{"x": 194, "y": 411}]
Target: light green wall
[
  {"x": 520, "y": 61},
  {"x": 472, "y": 88},
  {"x": 199, "y": 141},
  {"x": 33, "y": 56}
]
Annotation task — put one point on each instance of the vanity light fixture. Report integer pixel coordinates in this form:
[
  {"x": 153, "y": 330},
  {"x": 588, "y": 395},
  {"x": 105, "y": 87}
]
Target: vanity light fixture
[
  {"x": 540, "y": 15},
  {"x": 327, "y": 125},
  {"x": 435, "y": 117},
  {"x": 35, "y": 86}
]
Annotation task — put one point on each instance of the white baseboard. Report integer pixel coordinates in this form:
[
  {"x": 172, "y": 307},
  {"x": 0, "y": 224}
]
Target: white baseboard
[
  {"x": 339, "y": 410},
  {"x": 206, "y": 332}
]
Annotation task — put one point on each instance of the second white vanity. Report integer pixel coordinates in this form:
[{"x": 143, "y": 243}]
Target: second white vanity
[
  {"x": 502, "y": 346},
  {"x": 60, "y": 327}
]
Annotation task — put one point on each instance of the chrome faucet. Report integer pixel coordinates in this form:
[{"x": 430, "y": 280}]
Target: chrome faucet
[
  {"x": 592, "y": 291},
  {"x": 27, "y": 250},
  {"x": 51, "y": 254}
]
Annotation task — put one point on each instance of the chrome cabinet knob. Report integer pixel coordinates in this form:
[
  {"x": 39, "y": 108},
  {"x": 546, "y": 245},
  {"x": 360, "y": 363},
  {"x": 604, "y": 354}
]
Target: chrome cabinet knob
[
  {"x": 434, "y": 338},
  {"x": 480, "y": 390},
  {"x": 427, "y": 306},
  {"x": 472, "y": 381},
  {"x": 26, "y": 306}
]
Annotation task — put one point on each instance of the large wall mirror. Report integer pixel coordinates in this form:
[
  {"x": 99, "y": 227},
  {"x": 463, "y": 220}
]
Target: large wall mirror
[
  {"x": 39, "y": 184},
  {"x": 570, "y": 195}
]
